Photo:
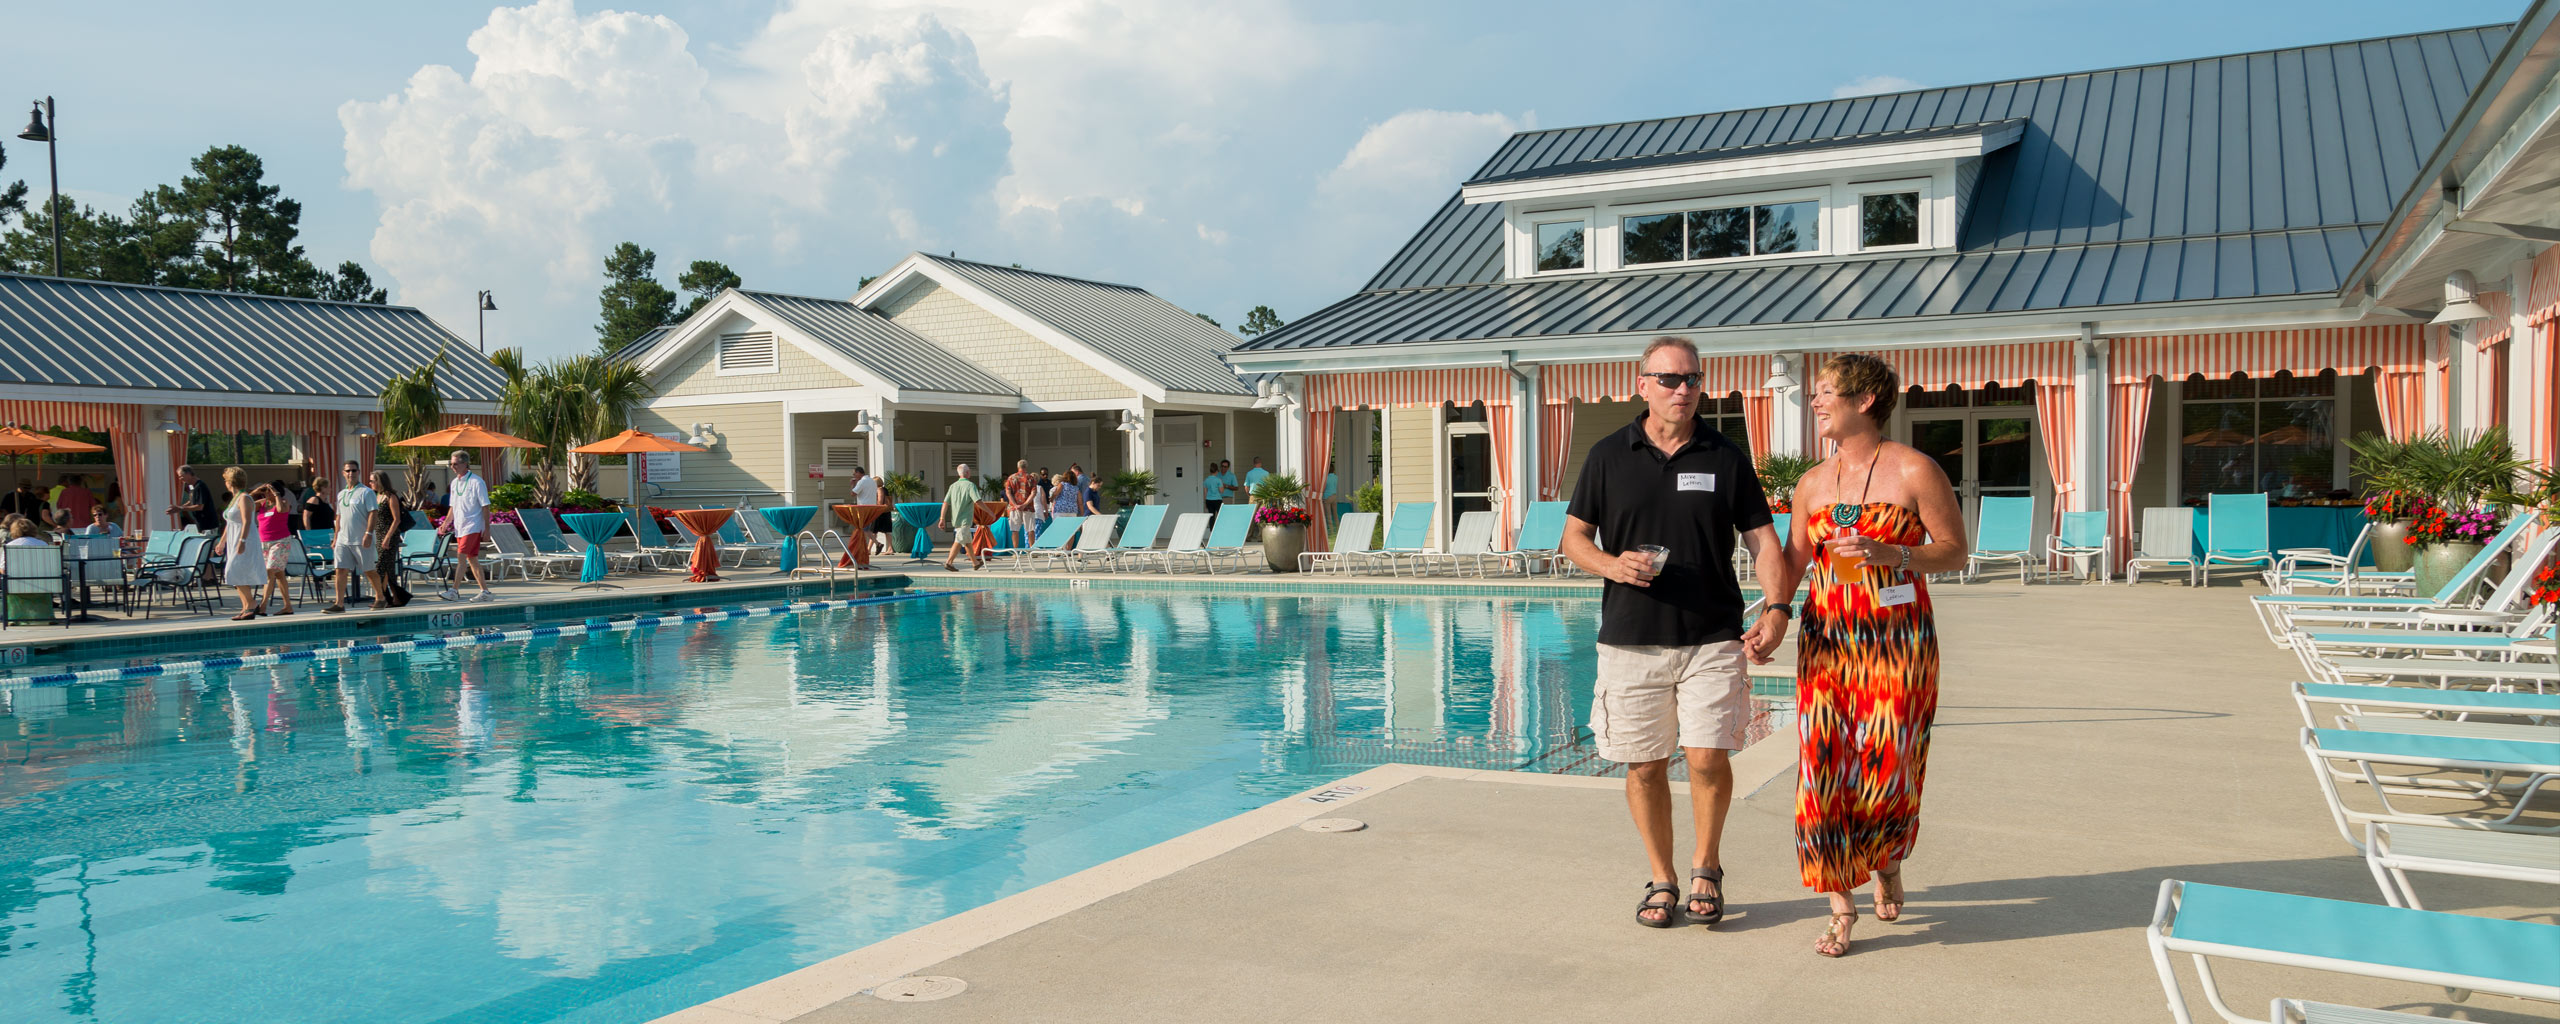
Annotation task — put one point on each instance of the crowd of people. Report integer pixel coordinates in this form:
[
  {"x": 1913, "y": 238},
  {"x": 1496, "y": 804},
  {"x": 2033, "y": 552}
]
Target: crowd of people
[
  {"x": 1034, "y": 498},
  {"x": 258, "y": 528}
]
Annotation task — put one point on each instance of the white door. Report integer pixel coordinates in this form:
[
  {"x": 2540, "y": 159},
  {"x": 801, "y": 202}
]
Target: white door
[
  {"x": 1178, "y": 459},
  {"x": 929, "y": 461}
]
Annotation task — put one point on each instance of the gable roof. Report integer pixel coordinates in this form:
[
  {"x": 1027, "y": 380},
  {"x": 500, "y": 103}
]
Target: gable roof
[
  {"x": 2223, "y": 177},
  {"x": 60, "y": 332},
  {"x": 1131, "y": 326},
  {"x": 840, "y": 329}
]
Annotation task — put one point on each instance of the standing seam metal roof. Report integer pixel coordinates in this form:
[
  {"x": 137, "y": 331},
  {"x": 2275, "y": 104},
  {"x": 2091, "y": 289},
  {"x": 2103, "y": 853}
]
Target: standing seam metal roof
[
  {"x": 2254, "y": 170},
  {"x": 1132, "y": 326},
  {"x": 904, "y": 357},
  {"x": 72, "y": 333}
]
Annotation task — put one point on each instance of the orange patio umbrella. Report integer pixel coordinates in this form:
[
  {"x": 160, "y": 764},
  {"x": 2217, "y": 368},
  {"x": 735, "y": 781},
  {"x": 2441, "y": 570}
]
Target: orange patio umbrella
[
  {"x": 465, "y": 436},
  {"x": 17, "y": 440},
  {"x": 2216, "y": 438},
  {"x": 631, "y": 442}
]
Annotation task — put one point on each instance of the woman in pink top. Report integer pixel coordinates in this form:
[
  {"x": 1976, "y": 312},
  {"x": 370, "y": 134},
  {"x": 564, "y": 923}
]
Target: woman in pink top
[{"x": 277, "y": 542}]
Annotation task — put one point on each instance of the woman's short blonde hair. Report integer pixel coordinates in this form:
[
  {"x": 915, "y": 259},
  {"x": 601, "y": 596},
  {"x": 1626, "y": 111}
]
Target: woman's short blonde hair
[
  {"x": 1853, "y": 375},
  {"x": 233, "y": 477},
  {"x": 24, "y": 528}
]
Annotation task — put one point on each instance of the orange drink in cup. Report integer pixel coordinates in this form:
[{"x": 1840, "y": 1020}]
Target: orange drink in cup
[{"x": 1844, "y": 561}]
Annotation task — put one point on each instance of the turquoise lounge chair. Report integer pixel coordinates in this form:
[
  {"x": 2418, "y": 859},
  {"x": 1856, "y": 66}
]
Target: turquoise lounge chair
[
  {"x": 1227, "y": 537},
  {"x": 1137, "y": 536},
  {"x": 2323, "y": 569},
  {"x": 2005, "y": 534},
  {"x": 2085, "y": 541},
  {"x": 1061, "y": 532},
  {"x": 2456, "y": 951},
  {"x": 1190, "y": 533},
  {"x": 1540, "y": 536},
  {"x": 2501, "y": 607},
  {"x": 2355, "y": 753},
  {"x": 2235, "y": 531},
  {"x": 1407, "y": 533},
  {"x": 653, "y": 541},
  {"x": 2274, "y": 610}
]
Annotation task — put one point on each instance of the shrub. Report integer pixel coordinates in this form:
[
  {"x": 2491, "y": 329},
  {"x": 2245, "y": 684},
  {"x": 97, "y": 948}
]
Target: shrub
[{"x": 509, "y": 496}]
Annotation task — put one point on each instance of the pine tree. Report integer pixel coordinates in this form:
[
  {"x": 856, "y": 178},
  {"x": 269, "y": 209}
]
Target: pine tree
[
  {"x": 1259, "y": 320},
  {"x": 705, "y": 279},
  {"x": 633, "y": 301},
  {"x": 250, "y": 224},
  {"x": 352, "y": 284}
]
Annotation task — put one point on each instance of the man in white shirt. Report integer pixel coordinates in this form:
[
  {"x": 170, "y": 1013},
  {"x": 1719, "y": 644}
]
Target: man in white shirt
[
  {"x": 468, "y": 521},
  {"x": 347, "y": 551},
  {"x": 866, "y": 491}
]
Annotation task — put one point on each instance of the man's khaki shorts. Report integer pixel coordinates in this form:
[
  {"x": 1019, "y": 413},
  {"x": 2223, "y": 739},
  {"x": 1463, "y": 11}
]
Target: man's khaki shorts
[{"x": 1650, "y": 700}]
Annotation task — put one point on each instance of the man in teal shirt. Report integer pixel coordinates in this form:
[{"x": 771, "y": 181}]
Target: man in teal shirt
[
  {"x": 1253, "y": 478},
  {"x": 960, "y": 516}
]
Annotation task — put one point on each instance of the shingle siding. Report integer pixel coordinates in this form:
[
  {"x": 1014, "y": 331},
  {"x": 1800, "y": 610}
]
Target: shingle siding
[{"x": 1040, "y": 370}]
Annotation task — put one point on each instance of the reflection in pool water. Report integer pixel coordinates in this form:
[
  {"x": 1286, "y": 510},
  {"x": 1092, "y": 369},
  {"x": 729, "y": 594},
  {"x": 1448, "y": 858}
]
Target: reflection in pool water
[{"x": 613, "y": 827}]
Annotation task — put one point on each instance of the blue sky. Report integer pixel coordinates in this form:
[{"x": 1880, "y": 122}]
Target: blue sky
[{"x": 1222, "y": 155}]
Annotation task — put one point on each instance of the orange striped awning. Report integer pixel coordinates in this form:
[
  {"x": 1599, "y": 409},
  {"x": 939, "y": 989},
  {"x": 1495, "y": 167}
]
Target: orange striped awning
[
  {"x": 2542, "y": 294},
  {"x": 1970, "y": 366},
  {"x": 2499, "y": 327},
  {"x": 1616, "y": 382},
  {"x": 216, "y": 419},
  {"x": 2397, "y": 348},
  {"x": 1402, "y": 389}
]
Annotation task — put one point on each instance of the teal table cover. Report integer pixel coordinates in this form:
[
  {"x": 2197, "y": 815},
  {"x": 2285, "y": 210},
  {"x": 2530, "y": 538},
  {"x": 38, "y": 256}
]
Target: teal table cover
[
  {"x": 787, "y": 521},
  {"x": 921, "y": 515},
  {"x": 2307, "y": 526},
  {"x": 595, "y": 528}
]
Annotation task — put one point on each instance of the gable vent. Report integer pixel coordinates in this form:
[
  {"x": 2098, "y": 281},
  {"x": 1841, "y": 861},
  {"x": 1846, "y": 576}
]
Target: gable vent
[{"x": 748, "y": 353}]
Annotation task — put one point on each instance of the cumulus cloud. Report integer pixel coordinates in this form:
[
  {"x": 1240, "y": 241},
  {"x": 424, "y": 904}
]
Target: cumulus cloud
[{"x": 1871, "y": 85}]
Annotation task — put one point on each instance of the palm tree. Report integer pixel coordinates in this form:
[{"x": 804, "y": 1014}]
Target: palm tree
[
  {"x": 612, "y": 388},
  {"x": 540, "y": 405},
  {"x": 411, "y": 406}
]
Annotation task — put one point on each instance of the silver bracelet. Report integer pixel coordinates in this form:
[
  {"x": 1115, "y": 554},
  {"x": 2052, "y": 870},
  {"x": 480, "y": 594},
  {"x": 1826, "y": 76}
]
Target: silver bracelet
[{"x": 1906, "y": 559}]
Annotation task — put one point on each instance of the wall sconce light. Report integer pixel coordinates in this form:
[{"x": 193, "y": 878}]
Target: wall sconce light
[
  {"x": 1781, "y": 380},
  {"x": 702, "y": 436},
  {"x": 2461, "y": 299},
  {"x": 1129, "y": 423}
]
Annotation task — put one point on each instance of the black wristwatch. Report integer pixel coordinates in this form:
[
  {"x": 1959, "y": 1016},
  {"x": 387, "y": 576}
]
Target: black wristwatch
[{"x": 1786, "y": 608}]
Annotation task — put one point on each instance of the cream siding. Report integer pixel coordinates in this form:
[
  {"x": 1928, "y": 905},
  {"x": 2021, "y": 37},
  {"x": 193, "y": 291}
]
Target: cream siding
[
  {"x": 748, "y": 459},
  {"x": 1409, "y": 445},
  {"x": 1044, "y": 373},
  {"x": 1591, "y": 422},
  {"x": 1256, "y": 436},
  {"x": 696, "y": 373},
  {"x": 809, "y": 434}
]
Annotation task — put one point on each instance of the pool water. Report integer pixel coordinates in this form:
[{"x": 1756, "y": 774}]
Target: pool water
[{"x": 617, "y": 826}]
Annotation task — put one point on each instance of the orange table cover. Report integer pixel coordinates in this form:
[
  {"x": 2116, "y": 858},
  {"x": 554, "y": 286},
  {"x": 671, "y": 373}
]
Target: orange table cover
[
  {"x": 705, "y": 523},
  {"x": 985, "y": 514},
  {"x": 859, "y": 519}
]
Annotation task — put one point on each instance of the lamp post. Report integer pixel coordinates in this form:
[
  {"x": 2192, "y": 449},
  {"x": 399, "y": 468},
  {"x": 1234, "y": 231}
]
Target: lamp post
[
  {"x": 486, "y": 307},
  {"x": 40, "y": 128}
]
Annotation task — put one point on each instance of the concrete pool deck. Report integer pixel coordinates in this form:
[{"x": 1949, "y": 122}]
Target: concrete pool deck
[{"x": 2087, "y": 749}]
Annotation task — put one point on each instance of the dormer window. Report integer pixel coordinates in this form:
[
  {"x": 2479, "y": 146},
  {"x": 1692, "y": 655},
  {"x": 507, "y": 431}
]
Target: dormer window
[
  {"x": 1721, "y": 233},
  {"x": 1888, "y": 219},
  {"x": 1560, "y": 245}
]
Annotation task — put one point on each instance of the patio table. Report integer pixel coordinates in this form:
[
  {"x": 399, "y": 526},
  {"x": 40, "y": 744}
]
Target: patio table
[
  {"x": 989, "y": 516},
  {"x": 921, "y": 515},
  {"x": 788, "y": 520},
  {"x": 859, "y": 518},
  {"x": 595, "y": 528},
  {"x": 705, "y": 523},
  {"x": 2331, "y": 527}
]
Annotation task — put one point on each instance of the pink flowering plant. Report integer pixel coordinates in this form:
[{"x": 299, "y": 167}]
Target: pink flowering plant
[{"x": 1285, "y": 515}]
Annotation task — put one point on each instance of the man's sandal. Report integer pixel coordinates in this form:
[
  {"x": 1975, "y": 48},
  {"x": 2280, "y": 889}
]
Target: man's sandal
[
  {"x": 1651, "y": 889},
  {"x": 1834, "y": 942},
  {"x": 1889, "y": 894},
  {"x": 1713, "y": 900}
]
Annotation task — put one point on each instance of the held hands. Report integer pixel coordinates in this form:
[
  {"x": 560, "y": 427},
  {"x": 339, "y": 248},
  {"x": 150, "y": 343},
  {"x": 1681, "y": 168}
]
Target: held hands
[
  {"x": 1631, "y": 567},
  {"x": 1762, "y": 639}
]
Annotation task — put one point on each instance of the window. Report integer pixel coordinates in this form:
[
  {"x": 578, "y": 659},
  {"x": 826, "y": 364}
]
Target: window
[
  {"x": 748, "y": 353},
  {"x": 1888, "y": 219},
  {"x": 242, "y": 449},
  {"x": 840, "y": 455},
  {"x": 1725, "y": 415},
  {"x": 1560, "y": 246},
  {"x": 1719, "y": 234},
  {"x": 2270, "y": 436}
]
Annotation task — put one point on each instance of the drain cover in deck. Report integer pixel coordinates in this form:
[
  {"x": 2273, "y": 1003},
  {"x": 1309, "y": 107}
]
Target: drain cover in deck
[
  {"x": 1334, "y": 825},
  {"x": 923, "y": 988}
]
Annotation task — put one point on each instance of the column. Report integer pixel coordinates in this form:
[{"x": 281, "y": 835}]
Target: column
[
  {"x": 793, "y": 471},
  {"x": 2090, "y": 448},
  {"x": 1142, "y": 441},
  {"x": 1229, "y": 442},
  {"x": 160, "y": 486},
  {"x": 991, "y": 447},
  {"x": 884, "y": 438},
  {"x": 1289, "y": 422},
  {"x": 1526, "y": 450},
  {"x": 1787, "y": 410}
]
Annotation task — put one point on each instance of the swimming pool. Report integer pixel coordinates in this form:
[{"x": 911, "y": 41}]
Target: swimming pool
[{"x": 614, "y": 826}]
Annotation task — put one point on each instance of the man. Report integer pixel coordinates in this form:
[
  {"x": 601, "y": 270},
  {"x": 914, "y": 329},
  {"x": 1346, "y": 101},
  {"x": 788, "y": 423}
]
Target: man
[
  {"x": 73, "y": 499},
  {"x": 24, "y": 501},
  {"x": 348, "y": 552},
  {"x": 468, "y": 500},
  {"x": 1252, "y": 478},
  {"x": 960, "y": 516},
  {"x": 866, "y": 491},
  {"x": 1674, "y": 657},
  {"x": 1018, "y": 500},
  {"x": 100, "y": 524},
  {"x": 195, "y": 503}
]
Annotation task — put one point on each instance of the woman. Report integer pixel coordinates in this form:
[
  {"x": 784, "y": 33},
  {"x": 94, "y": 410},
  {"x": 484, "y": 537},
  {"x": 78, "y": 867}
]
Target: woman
[
  {"x": 1041, "y": 512},
  {"x": 1067, "y": 499},
  {"x": 276, "y": 542},
  {"x": 1872, "y": 520},
  {"x": 244, "y": 566},
  {"x": 382, "y": 534},
  {"x": 319, "y": 510},
  {"x": 1089, "y": 494}
]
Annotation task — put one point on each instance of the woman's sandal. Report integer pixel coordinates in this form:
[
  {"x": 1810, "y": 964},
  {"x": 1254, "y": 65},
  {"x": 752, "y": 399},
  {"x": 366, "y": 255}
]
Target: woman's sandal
[
  {"x": 1889, "y": 894},
  {"x": 1713, "y": 900},
  {"x": 1665, "y": 907},
  {"x": 1834, "y": 942}
]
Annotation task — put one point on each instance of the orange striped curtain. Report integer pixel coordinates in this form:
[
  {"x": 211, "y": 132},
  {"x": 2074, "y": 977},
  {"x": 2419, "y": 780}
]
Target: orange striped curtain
[
  {"x": 2058, "y": 417},
  {"x": 2129, "y": 409},
  {"x": 2402, "y": 397},
  {"x": 1555, "y": 441},
  {"x": 125, "y": 428},
  {"x": 2485, "y": 333},
  {"x": 1319, "y": 458},
  {"x": 2542, "y": 419},
  {"x": 1498, "y": 420},
  {"x": 1759, "y": 416}
]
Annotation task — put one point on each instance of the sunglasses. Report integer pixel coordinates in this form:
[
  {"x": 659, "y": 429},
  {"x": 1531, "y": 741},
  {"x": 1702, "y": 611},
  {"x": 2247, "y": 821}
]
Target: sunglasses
[{"x": 1675, "y": 381}]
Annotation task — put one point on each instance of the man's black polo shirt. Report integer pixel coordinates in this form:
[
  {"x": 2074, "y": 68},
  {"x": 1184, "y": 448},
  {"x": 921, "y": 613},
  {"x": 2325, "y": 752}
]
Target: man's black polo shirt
[{"x": 1696, "y": 502}]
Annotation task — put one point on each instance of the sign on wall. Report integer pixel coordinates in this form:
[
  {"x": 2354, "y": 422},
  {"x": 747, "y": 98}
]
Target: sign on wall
[{"x": 663, "y": 467}]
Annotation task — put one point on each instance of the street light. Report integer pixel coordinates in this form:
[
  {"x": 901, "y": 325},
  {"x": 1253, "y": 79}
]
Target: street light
[
  {"x": 486, "y": 307},
  {"x": 40, "y": 128}
]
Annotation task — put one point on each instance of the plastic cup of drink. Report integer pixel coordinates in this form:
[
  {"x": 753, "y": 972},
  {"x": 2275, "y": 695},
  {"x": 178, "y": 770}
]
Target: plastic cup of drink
[
  {"x": 1850, "y": 560},
  {"x": 1661, "y": 555}
]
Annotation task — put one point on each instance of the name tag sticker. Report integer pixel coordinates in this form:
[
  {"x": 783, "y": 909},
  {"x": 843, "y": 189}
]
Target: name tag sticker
[
  {"x": 1887, "y": 597},
  {"x": 1697, "y": 481}
]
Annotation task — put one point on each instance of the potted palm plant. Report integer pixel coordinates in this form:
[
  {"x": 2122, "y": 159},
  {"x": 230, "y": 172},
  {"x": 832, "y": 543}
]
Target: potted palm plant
[
  {"x": 898, "y": 487},
  {"x": 2390, "y": 502},
  {"x": 2459, "y": 476},
  {"x": 1283, "y": 520},
  {"x": 1128, "y": 489},
  {"x": 1779, "y": 474}
]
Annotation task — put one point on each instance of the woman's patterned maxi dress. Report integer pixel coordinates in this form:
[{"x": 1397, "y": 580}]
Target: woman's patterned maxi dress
[{"x": 1866, "y": 689}]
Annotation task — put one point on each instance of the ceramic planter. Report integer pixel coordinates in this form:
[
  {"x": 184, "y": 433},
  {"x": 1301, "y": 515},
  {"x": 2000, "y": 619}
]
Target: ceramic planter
[
  {"x": 1282, "y": 544},
  {"x": 2439, "y": 562},
  {"x": 2390, "y": 547}
]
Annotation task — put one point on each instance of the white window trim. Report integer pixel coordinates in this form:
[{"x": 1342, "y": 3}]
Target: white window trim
[
  {"x": 1849, "y": 160},
  {"x": 2341, "y": 395},
  {"x": 1853, "y": 214},
  {"x": 720, "y": 367},
  {"x": 1819, "y": 195},
  {"x": 1525, "y": 227}
]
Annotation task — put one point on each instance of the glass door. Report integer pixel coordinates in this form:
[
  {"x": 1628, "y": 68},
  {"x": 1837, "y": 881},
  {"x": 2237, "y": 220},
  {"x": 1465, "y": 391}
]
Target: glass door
[
  {"x": 1470, "y": 474},
  {"x": 1983, "y": 452}
]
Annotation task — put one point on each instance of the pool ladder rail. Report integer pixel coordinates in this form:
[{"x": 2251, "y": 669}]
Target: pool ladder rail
[{"x": 829, "y": 565}]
